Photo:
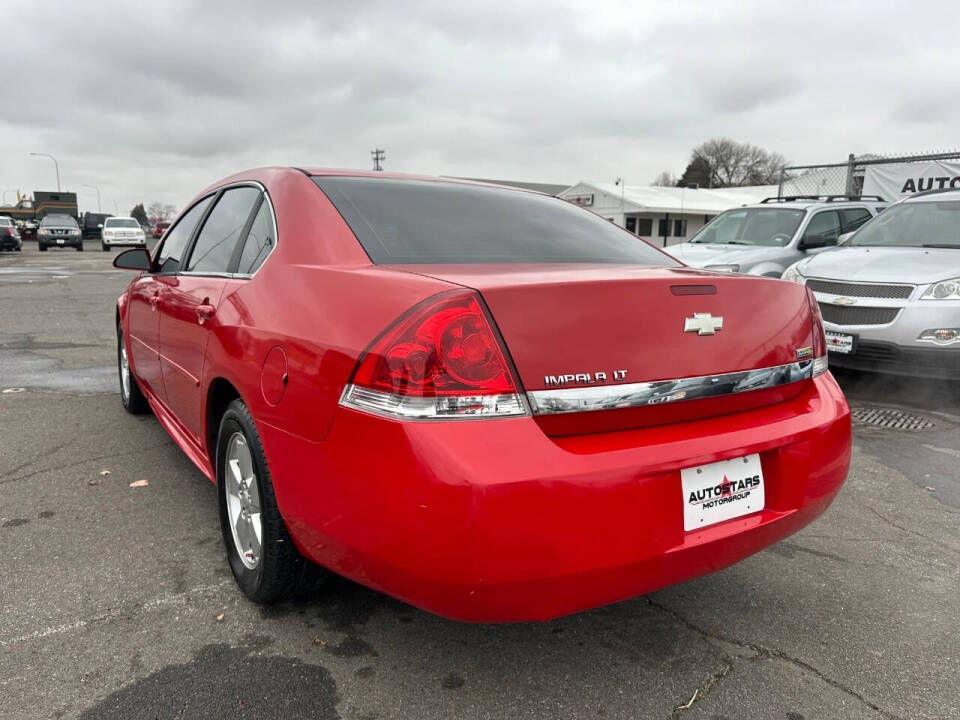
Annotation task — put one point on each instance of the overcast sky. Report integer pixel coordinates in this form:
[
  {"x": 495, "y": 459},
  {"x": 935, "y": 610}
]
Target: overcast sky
[{"x": 152, "y": 101}]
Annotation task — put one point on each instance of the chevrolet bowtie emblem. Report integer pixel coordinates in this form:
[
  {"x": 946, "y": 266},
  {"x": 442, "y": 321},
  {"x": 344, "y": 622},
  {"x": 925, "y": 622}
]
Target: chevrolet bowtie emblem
[
  {"x": 843, "y": 301},
  {"x": 703, "y": 324}
]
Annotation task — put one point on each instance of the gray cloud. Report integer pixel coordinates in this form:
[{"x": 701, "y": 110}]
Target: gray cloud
[{"x": 151, "y": 102}]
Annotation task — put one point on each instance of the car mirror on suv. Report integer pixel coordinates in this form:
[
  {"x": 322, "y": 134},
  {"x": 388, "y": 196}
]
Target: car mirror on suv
[
  {"x": 132, "y": 259},
  {"x": 812, "y": 241},
  {"x": 843, "y": 238}
]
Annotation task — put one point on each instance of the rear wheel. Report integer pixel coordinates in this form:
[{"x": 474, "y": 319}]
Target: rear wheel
[
  {"x": 261, "y": 554},
  {"x": 133, "y": 400}
]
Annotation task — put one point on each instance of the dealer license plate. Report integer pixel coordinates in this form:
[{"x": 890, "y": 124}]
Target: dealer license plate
[
  {"x": 839, "y": 343},
  {"x": 59, "y": 241},
  {"x": 720, "y": 491}
]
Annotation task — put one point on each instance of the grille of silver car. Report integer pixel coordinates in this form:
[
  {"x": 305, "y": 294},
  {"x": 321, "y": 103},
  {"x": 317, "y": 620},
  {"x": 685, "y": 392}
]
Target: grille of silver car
[
  {"x": 846, "y": 315},
  {"x": 887, "y": 292}
]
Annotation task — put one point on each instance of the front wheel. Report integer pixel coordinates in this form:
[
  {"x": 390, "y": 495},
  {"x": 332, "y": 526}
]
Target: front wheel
[
  {"x": 42, "y": 248},
  {"x": 134, "y": 401},
  {"x": 103, "y": 246},
  {"x": 265, "y": 562},
  {"x": 80, "y": 247}
]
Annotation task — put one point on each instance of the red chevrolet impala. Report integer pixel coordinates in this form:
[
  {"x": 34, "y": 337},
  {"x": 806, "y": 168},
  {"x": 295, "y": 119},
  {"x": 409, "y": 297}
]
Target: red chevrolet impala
[{"x": 487, "y": 402}]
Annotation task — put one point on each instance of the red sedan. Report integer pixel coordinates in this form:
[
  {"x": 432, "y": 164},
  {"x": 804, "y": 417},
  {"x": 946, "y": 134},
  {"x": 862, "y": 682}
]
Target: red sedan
[{"x": 486, "y": 402}]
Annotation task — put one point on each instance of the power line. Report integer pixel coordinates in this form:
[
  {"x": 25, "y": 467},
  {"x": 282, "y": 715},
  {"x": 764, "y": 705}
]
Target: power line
[{"x": 378, "y": 154}]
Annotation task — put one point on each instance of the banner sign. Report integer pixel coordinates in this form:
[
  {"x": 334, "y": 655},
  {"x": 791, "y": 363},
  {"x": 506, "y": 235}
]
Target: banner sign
[{"x": 898, "y": 180}]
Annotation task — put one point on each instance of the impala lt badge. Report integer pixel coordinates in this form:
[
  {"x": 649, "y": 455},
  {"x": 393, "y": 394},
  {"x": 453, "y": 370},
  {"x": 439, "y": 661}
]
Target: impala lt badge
[
  {"x": 703, "y": 324},
  {"x": 584, "y": 378}
]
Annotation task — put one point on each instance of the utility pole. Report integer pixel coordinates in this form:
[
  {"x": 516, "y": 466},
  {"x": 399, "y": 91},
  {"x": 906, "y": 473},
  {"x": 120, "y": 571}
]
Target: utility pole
[{"x": 378, "y": 154}]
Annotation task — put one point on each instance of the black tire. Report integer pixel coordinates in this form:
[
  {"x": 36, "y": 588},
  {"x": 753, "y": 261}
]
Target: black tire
[
  {"x": 281, "y": 571},
  {"x": 135, "y": 402},
  {"x": 80, "y": 247},
  {"x": 103, "y": 246},
  {"x": 42, "y": 248},
  {"x": 18, "y": 248}
]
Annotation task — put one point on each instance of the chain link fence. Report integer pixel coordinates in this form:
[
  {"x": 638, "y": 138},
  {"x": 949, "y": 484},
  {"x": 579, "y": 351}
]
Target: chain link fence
[{"x": 843, "y": 178}]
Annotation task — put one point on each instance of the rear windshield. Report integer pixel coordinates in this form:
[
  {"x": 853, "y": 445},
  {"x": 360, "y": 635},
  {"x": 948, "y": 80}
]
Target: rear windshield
[
  {"x": 5, "y": 222},
  {"x": 121, "y": 223},
  {"x": 420, "y": 221}
]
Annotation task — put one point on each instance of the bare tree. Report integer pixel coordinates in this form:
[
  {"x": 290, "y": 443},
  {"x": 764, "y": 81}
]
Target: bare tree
[
  {"x": 723, "y": 162},
  {"x": 161, "y": 211},
  {"x": 665, "y": 179}
]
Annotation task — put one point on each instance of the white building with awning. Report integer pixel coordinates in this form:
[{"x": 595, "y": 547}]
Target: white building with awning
[{"x": 662, "y": 215}]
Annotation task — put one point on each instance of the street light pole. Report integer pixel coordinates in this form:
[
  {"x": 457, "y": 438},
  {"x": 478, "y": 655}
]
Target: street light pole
[
  {"x": 94, "y": 187},
  {"x": 55, "y": 165}
]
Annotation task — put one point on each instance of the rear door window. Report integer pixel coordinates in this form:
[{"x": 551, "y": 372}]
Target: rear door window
[
  {"x": 175, "y": 241},
  {"x": 221, "y": 231},
  {"x": 259, "y": 241}
]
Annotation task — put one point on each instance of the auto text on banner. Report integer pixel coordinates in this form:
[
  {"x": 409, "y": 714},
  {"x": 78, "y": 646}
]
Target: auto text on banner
[{"x": 893, "y": 181}]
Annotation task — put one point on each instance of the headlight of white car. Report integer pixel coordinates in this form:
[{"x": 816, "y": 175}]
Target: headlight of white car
[
  {"x": 945, "y": 290},
  {"x": 793, "y": 274},
  {"x": 723, "y": 268}
]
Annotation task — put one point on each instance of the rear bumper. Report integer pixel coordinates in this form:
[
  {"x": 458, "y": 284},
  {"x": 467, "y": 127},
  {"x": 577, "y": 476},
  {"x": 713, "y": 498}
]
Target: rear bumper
[
  {"x": 495, "y": 521},
  {"x": 9, "y": 243}
]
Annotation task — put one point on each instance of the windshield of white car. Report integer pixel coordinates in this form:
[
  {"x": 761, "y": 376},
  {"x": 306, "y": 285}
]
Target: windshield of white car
[
  {"x": 58, "y": 221},
  {"x": 121, "y": 223},
  {"x": 770, "y": 227},
  {"x": 922, "y": 224}
]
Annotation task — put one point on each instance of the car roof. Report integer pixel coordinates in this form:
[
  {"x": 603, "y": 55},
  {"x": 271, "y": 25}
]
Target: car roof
[
  {"x": 120, "y": 217},
  {"x": 935, "y": 195},
  {"x": 807, "y": 203}
]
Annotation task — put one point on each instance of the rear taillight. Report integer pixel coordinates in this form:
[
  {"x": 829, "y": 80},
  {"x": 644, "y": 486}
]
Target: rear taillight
[
  {"x": 819, "y": 339},
  {"x": 442, "y": 359},
  {"x": 10, "y": 231}
]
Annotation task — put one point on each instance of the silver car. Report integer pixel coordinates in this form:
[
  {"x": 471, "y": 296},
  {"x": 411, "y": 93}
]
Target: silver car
[
  {"x": 890, "y": 295},
  {"x": 767, "y": 238}
]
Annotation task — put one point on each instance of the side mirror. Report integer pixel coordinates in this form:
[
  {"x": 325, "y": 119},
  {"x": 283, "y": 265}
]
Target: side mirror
[
  {"x": 100, "y": 225},
  {"x": 813, "y": 241},
  {"x": 843, "y": 238},
  {"x": 133, "y": 259}
]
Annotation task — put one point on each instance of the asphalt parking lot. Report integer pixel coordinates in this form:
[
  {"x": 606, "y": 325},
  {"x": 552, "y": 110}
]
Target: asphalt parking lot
[{"x": 116, "y": 601}]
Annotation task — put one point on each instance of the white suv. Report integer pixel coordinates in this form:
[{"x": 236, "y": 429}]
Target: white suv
[
  {"x": 765, "y": 239},
  {"x": 121, "y": 231}
]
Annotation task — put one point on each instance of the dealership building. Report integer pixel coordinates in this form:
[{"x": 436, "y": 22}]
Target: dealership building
[{"x": 661, "y": 215}]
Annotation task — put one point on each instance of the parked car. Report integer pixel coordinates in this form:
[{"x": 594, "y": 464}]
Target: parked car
[
  {"x": 59, "y": 231},
  {"x": 890, "y": 295},
  {"x": 9, "y": 234},
  {"x": 92, "y": 224},
  {"x": 766, "y": 238},
  {"x": 454, "y": 393},
  {"x": 121, "y": 231},
  {"x": 160, "y": 228}
]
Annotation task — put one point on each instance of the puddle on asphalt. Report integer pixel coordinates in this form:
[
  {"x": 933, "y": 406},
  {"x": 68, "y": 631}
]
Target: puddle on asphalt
[
  {"x": 22, "y": 367},
  {"x": 27, "y": 274}
]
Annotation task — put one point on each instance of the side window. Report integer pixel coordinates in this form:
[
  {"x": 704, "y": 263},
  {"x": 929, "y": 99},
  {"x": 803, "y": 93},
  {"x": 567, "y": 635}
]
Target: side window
[
  {"x": 220, "y": 233},
  {"x": 259, "y": 241},
  {"x": 854, "y": 218},
  {"x": 645, "y": 227},
  {"x": 175, "y": 242},
  {"x": 824, "y": 225}
]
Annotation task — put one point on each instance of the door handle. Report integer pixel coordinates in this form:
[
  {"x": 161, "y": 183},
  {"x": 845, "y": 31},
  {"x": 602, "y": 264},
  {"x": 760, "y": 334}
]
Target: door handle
[
  {"x": 205, "y": 311},
  {"x": 154, "y": 301}
]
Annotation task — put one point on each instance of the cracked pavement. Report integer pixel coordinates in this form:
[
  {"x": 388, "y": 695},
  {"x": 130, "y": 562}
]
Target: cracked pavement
[{"x": 116, "y": 602}]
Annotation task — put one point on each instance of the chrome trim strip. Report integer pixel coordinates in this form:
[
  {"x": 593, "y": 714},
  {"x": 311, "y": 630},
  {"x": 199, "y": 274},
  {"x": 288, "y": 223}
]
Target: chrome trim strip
[{"x": 657, "y": 392}]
